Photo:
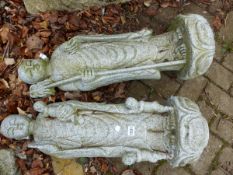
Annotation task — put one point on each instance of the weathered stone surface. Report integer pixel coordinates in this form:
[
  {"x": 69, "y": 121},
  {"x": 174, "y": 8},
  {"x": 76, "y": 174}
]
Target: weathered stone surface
[
  {"x": 145, "y": 168},
  {"x": 218, "y": 171},
  {"x": 166, "y": 169},
  {"x": 226, "y": 160},
  {"x": 34, "y": 6},
  {"x": 221, "y": 76},
  {"x": 165, "y": 87},
  {"x": 231, "y": 91},
  {"x": 220, "y": 99},
  {"x": 66, "y": 167},
  {"x": 193, "y": 88},
  {"x": 187, "y": 49},
  {"x": 226, "y": 31},
  {"x": 228, "y": 61},
  {"x": 138, "y": 90},
  {"x": 202, "y": 166},
  {"x": 215, "y": 5},
  {"x": 219, "y": 52},
  {"x": 223, "y": 128},
  {"x": 136, "y": 131},
  {"x": 165, "y": 15},
  {"x": 206, "y": 110},
  {"x": 118, "y": 164},
  {"x": 128, "y": 172},
  {"x": 197, "y": 9},
  {"x": 7, "y": 163}
]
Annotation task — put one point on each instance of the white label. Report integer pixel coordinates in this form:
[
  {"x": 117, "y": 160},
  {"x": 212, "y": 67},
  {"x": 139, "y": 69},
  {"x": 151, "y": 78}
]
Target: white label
[
  {"x": 131, "y": 130},
  {"x": 117, "y": 128}
]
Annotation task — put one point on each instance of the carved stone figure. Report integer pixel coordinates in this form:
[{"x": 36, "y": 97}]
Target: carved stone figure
[
  {"x": 136, "y": 130},
  {"x": 88, "y": 62},
  {"x": 7, "y": 163},
  {"x": 34, "y": 6}
]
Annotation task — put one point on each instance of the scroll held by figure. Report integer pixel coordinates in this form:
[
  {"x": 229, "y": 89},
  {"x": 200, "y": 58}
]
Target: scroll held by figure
[
  {"x": 87, "y": 62},
  {"x": 135, "y": 130}
]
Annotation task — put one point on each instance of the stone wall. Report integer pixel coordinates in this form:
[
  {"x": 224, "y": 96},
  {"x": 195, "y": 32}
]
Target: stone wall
[{"x": 35, "y": 6}]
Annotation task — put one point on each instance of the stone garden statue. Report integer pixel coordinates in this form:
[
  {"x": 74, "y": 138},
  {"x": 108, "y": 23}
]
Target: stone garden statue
[
  {"x": 88, "y": 62},
  {"x": 135, "y": 131},
  {"x": 35, "y": 6}
]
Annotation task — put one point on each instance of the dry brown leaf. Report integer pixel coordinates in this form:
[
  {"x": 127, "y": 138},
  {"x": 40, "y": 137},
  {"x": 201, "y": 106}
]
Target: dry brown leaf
[
  {"x": 152, "y": 11},
  {"x": 120, "y": 91},
  {"x": 147, "y": 3},
  {"x": 7, "y": 36},
  {"x": 217, "y": 23},
  {"x": 4, "y": 32},
  {"x": 128, "y": 172},
  {"x": 165, "y": 4},
  {"x": 20, "y": 111},
  {"x": 9, "y": 61},
  {"x": 34, "y": 42},
  {"x": 66, "y": 167},
  {"x": 5, "y": 83},
  {"x": 44, "y": 24}
]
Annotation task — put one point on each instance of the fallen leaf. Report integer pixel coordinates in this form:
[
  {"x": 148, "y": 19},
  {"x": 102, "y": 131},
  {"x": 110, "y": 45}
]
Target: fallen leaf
[
  {"x": 152, "y": 11},
  {"x": 120, "y": 91},
  {"x": 123, "y": 20},
  {"x": 217, "y": 23},
  {"x": 165, "y": 4},
  {"x": 7, "y": 35},
  {"x": 20, "y": 111},
  {"x": 5, "y": 83},
  {"x": 35, "y": 171},
  {"x": 4, "y": 32},
  {"x": 34, "y": 42},
  {"x": 147, "y": 3},
  {"x": 9, "y": 61},
  {"x": 45, "y": 34},
  {"x": 93, "y": 170},
  {"x": 66, "y": 167},
  {"x": 128, "y": 172},
  {"x": 44, "y": 24}
]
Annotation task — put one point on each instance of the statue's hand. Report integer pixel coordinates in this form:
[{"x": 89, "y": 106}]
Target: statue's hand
[
  {"x": 40, "y": 90},
  {"x": 133, "y": 105},
  {"x": 40, "y": 106},
  {"x": 141, "y": 34},
  {"x": 88, "y": 75},
  {"x": 129, "y": 158}
]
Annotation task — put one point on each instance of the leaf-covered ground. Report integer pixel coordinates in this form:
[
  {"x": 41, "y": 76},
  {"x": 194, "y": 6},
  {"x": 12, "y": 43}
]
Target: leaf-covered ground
[{"x": 25, "y": 36}]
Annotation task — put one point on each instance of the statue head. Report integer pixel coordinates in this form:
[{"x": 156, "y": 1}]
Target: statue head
[
  {"x": 33, "y": 71},
  {"x": 199, "y": 44},
  {"x": 16, "y": 127},
  {"x": 192, "y": 131}
]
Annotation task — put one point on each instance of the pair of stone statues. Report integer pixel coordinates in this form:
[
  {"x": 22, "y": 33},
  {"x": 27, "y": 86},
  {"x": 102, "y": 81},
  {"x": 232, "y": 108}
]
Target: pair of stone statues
[{"x": 136, "y": 130}]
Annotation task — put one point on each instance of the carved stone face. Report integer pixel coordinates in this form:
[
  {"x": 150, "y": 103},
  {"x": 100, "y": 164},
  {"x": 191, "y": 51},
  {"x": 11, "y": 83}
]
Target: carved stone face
[
  {"x": 193, "y": 134},
  {"x": 33, "y": 71},
  {"x": 196, "y": 138},
  {"x": 15, "y": 127}
]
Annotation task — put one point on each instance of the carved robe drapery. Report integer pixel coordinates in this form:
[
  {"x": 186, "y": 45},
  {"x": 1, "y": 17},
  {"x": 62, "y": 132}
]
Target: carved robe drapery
[{"x": 98, "y": 129}]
